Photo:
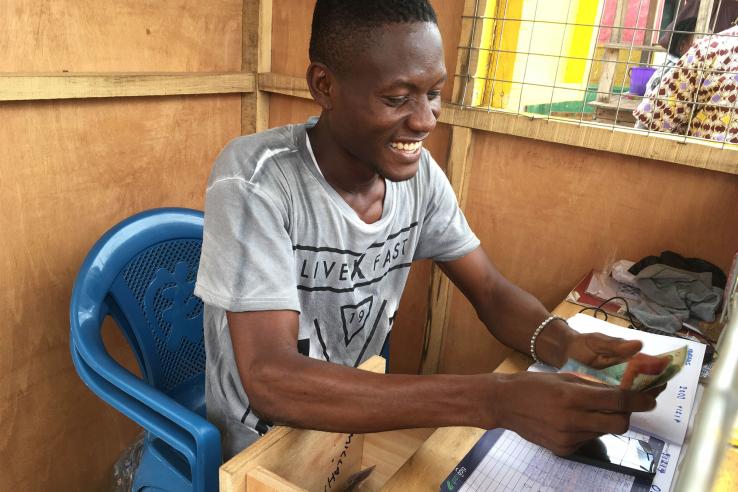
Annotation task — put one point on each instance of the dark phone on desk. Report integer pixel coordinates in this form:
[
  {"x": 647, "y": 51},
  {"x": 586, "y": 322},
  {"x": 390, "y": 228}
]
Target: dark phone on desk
[{"x": 622, "y": 454}]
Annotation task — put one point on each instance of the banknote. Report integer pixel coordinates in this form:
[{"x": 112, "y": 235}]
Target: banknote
[{"x": 614, "y": 375}]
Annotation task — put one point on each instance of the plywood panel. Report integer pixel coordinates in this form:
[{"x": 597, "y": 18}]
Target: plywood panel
[
  {"x": 548, "y": 213},
  {"x": 124, "y": 35},
  {"x": 70, "y": 170},
  {"x": 291, "y": 36},
  {"x": 285, "y": 110}
]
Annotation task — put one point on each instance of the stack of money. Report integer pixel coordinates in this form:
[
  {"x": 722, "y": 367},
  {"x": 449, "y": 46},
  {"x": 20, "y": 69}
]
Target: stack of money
[{"x": 618, "y": 375}]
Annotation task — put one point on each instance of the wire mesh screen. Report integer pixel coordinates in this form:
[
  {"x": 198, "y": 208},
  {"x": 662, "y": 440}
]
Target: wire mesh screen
[{"x": 655, "y": 66}]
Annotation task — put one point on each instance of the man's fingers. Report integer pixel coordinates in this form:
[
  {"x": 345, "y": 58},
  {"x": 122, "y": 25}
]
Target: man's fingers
[
  {"x": 604, "y": 398},
  {"x": 627, "y": 348},
  {"x": 642, "y": 364},
  {"x": 611, "y": 350},
  {"x": 655, "y": 392}
]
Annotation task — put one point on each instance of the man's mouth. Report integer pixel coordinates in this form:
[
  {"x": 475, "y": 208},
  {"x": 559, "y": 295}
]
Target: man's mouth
[{"x": 407, "y": 147}]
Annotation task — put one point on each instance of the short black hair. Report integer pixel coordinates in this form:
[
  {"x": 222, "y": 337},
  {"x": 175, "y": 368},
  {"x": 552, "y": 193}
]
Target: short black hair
[
  {"x": 340, "y": 27},
  {"x": 682, "y": 31}
]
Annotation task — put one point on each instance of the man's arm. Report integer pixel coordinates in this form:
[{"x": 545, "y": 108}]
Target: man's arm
[
  {"x": 510, "y": 313},
  {"x": 289, "y": 388}
]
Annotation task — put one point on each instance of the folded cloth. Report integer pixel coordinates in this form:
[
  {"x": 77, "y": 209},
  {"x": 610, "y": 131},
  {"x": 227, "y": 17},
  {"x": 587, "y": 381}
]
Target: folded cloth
[
  {"x": 676, "y": 260},
  {"x": 670, "y": 296}
]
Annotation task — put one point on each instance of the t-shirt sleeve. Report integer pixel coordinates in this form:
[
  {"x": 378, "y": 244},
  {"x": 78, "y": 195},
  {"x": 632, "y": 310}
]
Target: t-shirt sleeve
[
  {"x": 247, "y": 263},
  {"x": 445, "y": 235}
]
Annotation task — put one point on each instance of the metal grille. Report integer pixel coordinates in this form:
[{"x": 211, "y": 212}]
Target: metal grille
[
  {"x": 590, "y": 61},
  {"x": 152, "y": 278}
]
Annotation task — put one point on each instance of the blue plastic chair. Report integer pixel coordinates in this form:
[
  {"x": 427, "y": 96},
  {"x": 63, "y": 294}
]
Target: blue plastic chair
[{"x": 142, "y": 273}]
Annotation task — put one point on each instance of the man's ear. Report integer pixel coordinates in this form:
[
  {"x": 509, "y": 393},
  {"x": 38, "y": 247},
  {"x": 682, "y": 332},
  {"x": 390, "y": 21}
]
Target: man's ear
[{"x": 320, "y": 82}]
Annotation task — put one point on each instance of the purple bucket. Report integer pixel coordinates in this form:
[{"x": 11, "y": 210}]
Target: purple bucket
[{"x": 639, "y": 78}]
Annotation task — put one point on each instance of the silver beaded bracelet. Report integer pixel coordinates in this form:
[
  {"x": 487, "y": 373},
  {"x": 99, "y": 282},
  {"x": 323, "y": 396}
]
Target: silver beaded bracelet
[{"x": 538, "y": 331}]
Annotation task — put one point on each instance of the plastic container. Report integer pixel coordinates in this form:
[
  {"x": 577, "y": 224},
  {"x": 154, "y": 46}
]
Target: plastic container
[{"x": 639, "y": 77}]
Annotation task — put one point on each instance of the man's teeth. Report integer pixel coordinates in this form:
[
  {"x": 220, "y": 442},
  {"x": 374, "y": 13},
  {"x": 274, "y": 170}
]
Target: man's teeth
[{"x": 406, "y": 147}]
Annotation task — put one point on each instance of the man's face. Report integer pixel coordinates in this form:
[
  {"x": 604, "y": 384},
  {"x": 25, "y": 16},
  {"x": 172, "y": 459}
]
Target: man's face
[
  {"x": 388, "y": 99},
  {"x": 685, "y": 44}
]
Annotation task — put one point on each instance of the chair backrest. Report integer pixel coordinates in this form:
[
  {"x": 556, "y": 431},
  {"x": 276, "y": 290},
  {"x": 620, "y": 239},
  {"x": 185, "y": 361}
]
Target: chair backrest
[{"x": 143, "y": 272}]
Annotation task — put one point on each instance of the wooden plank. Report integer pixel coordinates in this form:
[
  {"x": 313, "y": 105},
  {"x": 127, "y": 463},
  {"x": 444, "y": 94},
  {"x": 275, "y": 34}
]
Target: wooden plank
[
  {"x": 313, "y": 459},
  {"x": 441, "y": 290},
  {"x": 262, "y": 480},
  {"x": 27, "y": 87},
  {"x": 388, "y": 452},
  {"x": 636, "y": 47},
  {"x": 703, "y": 18},
  {"x": 257, "y": 58},
  {"x": 621, "y": 140},
  {"x": 468, "y": 57},
  {"x": 76, "y": 36},
  {"x": 648, "y": 34},
  {"x": 610, "y": 56},
  {"x": 284, "y": 84}
]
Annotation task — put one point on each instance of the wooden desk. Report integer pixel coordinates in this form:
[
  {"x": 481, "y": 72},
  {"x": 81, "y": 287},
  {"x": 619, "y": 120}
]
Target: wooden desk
[
  {"x": 443, "y": 450},
  {"x": 324, "y": 461}
]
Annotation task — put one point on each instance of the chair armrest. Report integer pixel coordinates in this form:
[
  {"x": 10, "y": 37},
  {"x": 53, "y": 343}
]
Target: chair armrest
[{"x": 186, "y": 431}]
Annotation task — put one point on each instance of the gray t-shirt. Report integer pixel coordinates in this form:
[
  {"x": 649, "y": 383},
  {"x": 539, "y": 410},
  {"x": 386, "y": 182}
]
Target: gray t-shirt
[{"x": 279, "y": 237}]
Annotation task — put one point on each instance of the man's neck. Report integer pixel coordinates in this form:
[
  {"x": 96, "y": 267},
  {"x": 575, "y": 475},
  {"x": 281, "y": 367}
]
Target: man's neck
[{"x": 358, "y": 184}]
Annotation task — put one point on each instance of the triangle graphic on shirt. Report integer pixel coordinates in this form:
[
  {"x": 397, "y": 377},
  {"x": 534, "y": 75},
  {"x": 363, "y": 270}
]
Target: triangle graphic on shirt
[{"x": 354, "y": 318}]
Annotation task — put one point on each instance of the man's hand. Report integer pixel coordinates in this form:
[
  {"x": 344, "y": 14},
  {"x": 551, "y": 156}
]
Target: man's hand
[
  {"x": 598, "y": 351},
  {"x": 561, "y": 411}
]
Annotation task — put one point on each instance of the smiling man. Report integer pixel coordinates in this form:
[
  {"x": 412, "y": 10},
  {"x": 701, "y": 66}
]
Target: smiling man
[{"x": 310, "y": 231}]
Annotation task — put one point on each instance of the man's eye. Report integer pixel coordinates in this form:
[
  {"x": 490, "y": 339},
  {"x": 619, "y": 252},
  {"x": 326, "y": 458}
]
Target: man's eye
[
  {"x": 396, "y": 100},
  {"x": 434, "y": 95}
]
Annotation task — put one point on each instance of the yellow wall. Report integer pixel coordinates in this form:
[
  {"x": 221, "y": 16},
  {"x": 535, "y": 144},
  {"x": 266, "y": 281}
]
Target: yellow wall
[
  {"x": 547, "y": 45},
  {"x": 497, "y": 67}
]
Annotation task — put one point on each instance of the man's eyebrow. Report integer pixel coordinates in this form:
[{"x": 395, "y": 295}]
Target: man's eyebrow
[{"x": 406, "y": 84}]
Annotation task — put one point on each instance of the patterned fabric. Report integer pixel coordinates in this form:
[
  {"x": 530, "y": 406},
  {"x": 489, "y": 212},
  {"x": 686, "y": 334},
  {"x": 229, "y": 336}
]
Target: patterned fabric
[
  {"x": 661, "y": 72},
  {"x": 698, "y": 97}
]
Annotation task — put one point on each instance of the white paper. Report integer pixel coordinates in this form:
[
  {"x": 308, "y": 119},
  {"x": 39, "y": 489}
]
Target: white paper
[
  {"x": 668, "y": 421},
  {"x": 514, "y": 464}
]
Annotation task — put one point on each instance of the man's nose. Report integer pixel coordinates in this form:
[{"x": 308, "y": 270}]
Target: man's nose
[{"x": 424, "y": 116}]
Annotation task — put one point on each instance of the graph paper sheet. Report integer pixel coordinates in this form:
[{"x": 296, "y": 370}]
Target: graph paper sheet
[{"x": 504, "y": 461}]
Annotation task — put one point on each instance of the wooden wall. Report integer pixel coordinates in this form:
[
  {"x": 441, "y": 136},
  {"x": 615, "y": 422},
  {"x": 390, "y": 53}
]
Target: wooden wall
[
  {"x": 548, "y": 213},
  {"x": 545, "y": 212},
  {"x": 68, "y": 171}
]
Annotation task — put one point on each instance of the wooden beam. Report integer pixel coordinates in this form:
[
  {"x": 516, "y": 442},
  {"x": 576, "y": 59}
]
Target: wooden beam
[
  {"x": 458, "y": 170},
  {"x": 260, "y": 479},
  {"x": 653, "y": 6},
  {"x": 620, "y": 140},
  {"x": 283, "y": 84},
  {"x": 610, "y": 55},
  {"x": 256, "y": 58},
  {"x": 29, "y": 87},
  {"x": 703, "y": 18},
  {"x": 468, "y": 58}
]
